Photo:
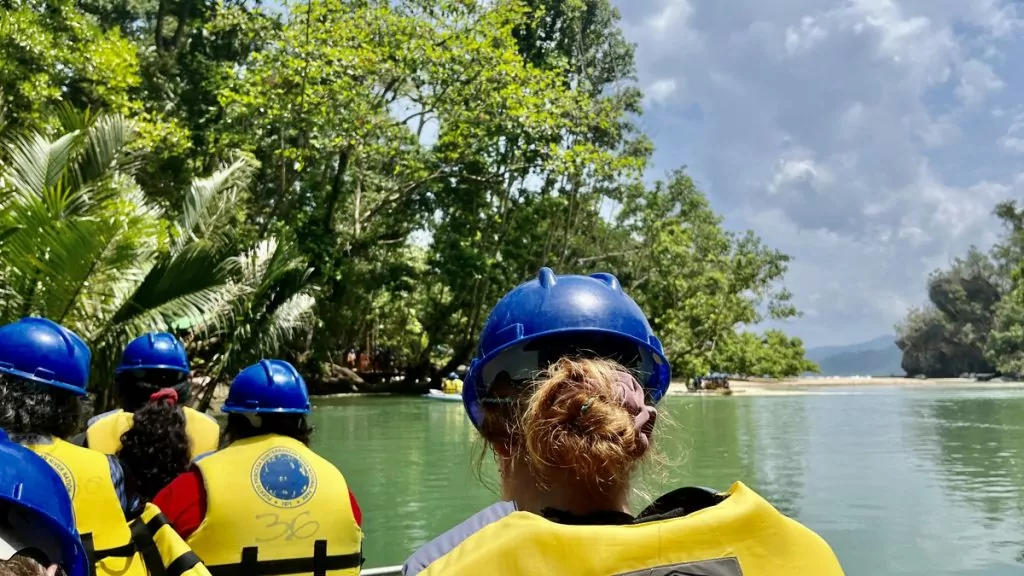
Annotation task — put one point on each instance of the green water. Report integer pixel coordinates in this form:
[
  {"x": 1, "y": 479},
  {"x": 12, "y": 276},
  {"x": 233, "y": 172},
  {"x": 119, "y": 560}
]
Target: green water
[{"x": 899, "y": 481}]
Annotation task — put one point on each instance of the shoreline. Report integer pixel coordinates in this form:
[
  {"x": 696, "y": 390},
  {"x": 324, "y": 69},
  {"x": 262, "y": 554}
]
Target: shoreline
[{"x": 821, "y": 385}]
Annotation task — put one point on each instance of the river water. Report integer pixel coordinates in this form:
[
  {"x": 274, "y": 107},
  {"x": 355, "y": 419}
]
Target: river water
[{"x": 899, "y": 481}]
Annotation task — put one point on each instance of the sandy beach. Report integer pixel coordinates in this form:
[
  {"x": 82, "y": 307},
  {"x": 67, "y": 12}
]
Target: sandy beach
[{"x": 821, "y": 385}]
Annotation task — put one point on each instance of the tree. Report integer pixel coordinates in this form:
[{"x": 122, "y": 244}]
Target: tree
[
  {"x": 970, "y": 323},
  {"x": 948, "y": 337},
  {"x": 381, "y": 172},
  {"x": 83, "y": 246},
  {"x": 771, "y": 354},
  {"x": 52, "y": 52},
  {"x": 697, "y": 282}
]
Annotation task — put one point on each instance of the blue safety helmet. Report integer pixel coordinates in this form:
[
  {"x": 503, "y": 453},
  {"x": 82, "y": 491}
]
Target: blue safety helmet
[
  {"x": 268, "y": 386},
  {"x": 453, "y": 376},
  {"x": 40, "y": 350},
  {"x": 35, "y": 510},
  {"x": 154, "y": 351},
  {"x": 539, "y": 321}
]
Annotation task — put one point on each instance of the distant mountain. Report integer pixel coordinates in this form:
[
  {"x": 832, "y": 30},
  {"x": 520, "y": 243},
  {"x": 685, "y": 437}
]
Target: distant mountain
[{"x": 876, "y": 357}]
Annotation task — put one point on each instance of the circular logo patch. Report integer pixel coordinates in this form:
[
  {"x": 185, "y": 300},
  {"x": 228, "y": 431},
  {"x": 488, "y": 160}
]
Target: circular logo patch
[
  {"x": 283, "y": 479},
  {"x": 63, "y": 471}
]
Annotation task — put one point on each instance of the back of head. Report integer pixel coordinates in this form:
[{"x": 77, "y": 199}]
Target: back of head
[
  {"x": 155, "y": 450},
  {"x": 30, "y": 408},
  {"x": 242, "y": 426},
  {"x": 268, "y": 387},
  {"x": 150, "y": 363},
  {"x": 562, "y": 379},
  {"x": 44, "y": 369},
  {"x": 36, "y": 518},
  {"x": 24, "y": 565},
  {"x": 44, "y": 352},
  {"x": 552, "y": 317},
  {"x": 582, "y": 422},
  {"x": 269, "y": 397}
]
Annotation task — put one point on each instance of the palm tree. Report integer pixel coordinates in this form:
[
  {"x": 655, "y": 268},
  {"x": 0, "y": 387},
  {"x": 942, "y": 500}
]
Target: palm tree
[
  {"x": 80, "y": 242},
  {"x": 274, "y": 303}
]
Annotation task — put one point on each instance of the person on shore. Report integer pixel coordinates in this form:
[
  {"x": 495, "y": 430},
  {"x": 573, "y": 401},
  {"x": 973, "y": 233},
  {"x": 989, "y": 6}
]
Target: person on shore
[
  {"x": 562, "y": 390},
  {"x": 265, "y": 501},
  {"x": 153, "y": 365},
  {"x": 44, "y": 370},
  {"x": 37, "y": 525}
]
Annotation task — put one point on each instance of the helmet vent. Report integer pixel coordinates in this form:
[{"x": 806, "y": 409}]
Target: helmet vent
[{"x": 546, "y": 277}]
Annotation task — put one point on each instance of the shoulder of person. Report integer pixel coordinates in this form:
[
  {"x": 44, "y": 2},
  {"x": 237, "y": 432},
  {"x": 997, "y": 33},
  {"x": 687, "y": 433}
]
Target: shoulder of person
[
  {"x": 447, "y": 542},
  {"x": 209, "y": 416},
  {"x": 99, "y": 417}
]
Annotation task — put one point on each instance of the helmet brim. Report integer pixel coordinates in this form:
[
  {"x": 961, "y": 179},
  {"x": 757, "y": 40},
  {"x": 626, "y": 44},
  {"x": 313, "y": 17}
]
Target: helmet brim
[
  {"x": 50, "y": 537},
  {"x": 33, "y": 378},
  {"x": 656, "y": 372},
  {"x": 240, "y": 410},
  {"x": 171, "y": 367}
]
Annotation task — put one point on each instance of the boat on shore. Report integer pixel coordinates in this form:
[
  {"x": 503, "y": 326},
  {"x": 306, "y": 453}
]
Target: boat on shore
[{"x": 443, "y": 397}]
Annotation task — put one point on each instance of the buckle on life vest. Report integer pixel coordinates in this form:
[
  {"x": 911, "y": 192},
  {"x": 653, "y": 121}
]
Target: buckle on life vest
[{"x": 319, "y": 564}]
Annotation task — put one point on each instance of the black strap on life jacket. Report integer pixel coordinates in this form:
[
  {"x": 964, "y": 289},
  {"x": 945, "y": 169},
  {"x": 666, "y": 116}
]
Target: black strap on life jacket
[
  {"x": 142, "y": 535},
  {"x": 319, "y": 564},
  {"x": 142, "y": 542},
  {"x": 94, "y": 555}
]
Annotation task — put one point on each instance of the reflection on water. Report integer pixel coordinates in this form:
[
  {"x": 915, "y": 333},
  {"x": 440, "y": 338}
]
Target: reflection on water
[{"x": 899, "y": 481}]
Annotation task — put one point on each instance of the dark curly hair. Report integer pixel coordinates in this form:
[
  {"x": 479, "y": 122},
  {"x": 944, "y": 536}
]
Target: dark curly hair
[
  {"x": 28, "y": 407},
  {"x": 239, "y": 427},
  {"x": 156, "y": 448}
]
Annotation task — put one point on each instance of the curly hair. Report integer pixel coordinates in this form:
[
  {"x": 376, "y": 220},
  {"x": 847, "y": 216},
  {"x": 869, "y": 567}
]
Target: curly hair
[
  {"x": 28, "y": 407},
  {"x": 239, "y": 427},
  {"x": 23, "y": 565},
  {"x": 569, "y": 421},
  {"x": 155, "y": 450}
]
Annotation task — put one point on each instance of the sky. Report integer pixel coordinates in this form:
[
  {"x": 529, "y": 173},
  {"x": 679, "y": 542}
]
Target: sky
[{"x": 868, "y": 139}]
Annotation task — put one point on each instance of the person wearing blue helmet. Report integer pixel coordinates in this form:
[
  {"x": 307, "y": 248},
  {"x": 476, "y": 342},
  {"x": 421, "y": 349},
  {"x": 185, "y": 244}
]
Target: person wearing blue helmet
[
  {"x": 563, "y": 391},
  {"x": 37, "y": 524},
  {"x": 306, "y": 518},
  {"x": 44, "y": 371},
  {"x": 153, "y": 385},
  {"x": 452, "y": 384}
]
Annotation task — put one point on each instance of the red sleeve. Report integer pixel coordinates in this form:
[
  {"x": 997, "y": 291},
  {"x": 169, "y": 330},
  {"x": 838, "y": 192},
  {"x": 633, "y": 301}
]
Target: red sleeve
[
  {"x": 183, "y": 502},
  {"x": 355, "y": 508}
]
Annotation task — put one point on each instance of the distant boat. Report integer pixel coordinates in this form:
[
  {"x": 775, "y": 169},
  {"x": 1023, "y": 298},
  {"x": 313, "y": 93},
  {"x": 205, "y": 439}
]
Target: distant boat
[{"x": 439, "y": 395}]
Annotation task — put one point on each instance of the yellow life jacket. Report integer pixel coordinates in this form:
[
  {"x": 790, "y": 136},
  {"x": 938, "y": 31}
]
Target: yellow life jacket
[
  {"x": 452, "y": 386},
  {"x": 274, "y": 507},
  {"x": 105, "y": 434},
  {"x": 743, "y": 535},
  {"x": 101, "y": 523},
  {"x": 162, "y": 547}
]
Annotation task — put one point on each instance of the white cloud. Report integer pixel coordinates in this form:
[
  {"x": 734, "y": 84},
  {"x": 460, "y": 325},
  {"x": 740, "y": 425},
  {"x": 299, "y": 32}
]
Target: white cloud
[
  {"x": 660, "y": 90},
  {"x": 804, "y": 37},
  {"x": 976, "y": 80},
  {"x": 672, "y": 16},
  {"x": 869, "y": 139}
]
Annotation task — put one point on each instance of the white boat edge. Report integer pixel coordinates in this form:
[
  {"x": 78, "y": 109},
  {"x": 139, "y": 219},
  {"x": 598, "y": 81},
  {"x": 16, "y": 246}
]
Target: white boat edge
[{"x": 439, "y": 395}]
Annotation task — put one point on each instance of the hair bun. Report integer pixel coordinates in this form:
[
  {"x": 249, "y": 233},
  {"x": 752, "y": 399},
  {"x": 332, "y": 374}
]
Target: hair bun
[{"x": 587, "y": 416}]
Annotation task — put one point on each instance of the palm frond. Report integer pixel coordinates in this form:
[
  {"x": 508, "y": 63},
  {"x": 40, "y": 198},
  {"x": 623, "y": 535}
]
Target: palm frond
[
  {"x": 210, "y": 203},
  {"x": 106, "y": 148},
  {"x": 195, "y": 269},
  {"x": 37, "y": 164},
  {"x": 291, "y": 317}
]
